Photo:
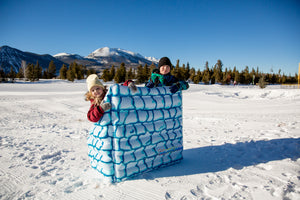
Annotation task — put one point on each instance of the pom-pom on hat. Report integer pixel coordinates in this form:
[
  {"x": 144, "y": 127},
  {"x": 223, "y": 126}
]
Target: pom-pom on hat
[
  {"x": 164, "y": 61},
  {"x": 93, "y": 80}
]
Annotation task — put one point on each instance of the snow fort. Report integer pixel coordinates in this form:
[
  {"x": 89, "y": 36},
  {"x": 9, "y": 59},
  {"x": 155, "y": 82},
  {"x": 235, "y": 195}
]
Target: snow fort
[{"x": 141, "y": 132}]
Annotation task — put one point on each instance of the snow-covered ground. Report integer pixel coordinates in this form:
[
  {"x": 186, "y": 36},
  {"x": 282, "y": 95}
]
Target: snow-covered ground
[{"x": 240, "y": 142}]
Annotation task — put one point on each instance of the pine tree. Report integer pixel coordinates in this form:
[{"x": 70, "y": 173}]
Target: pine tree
[
  {"x": 123, "y": 72},
  {"x": 112, "y": 73},
  {"x": 284, "y": 79},
  {"x": 146, "y": 72},
  {"x": 52, "y": 70},
  {"x": 206, "y": 77},
  {"x": 246, "y": 76},
  {"x": 2, "y": 75},
  {"x": 12, "y": 74},
  {"x": 38, "y": 71},
  {"x": 151, "y": 68},
  {"x": 192, "y": 74},
  {"x": 178, "y": 72},
  {"x": 63, "y": 72},
  {"x": 226, "y": 77},
  {"x": 218, "y": 75},
  {"x": 45, "y": 74},
  {"x": 71, "y": 73},
  {"x": 206, "y": 74},
  {"x": 139, "y": 76},
  {"x": 187, "y": 72},
  {"x": 237, "y": 78},
  {"x": 120, "y": 74},
  {"x": 20, "y": 73},
  {"x": 233, "y": 73},
  {"x": 130, "y": 74},
  {"x": 197, "y": 77},
  {"x": 105, "y": 75},
  {"x": 30, "y": 72},
  {"x": 182, "y": 72},
  {"x": 79, "y": 72},
  {"x": 90, "y": 71}
]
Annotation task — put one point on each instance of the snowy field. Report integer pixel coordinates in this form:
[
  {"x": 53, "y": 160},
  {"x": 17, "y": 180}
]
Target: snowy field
[{"x": 240, "y": 142}]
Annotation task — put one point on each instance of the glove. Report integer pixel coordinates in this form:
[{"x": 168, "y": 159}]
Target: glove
[
  {"x": 150, "y": 84},
  {"x": 174, "y": 88},
  {"x": 132, "y": 87},
  {"x": 105, "y": 106}
]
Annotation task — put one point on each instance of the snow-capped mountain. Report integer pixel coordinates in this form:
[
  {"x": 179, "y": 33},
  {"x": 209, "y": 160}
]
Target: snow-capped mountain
[
  {"x": 13, "y": 57},
  {"x": 99, "y": 59},
  {"x": 106, "y": 57},
  {"x": 109, "y": 52},
  {"x": 69, "y": 58},
  {"x": 117, "y": 56},
  {"x": 62, "y": 55}
]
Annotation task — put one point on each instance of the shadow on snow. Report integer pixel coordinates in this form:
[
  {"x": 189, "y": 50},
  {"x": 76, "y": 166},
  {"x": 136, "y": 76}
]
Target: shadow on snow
[{"x": 219, "y": 158}]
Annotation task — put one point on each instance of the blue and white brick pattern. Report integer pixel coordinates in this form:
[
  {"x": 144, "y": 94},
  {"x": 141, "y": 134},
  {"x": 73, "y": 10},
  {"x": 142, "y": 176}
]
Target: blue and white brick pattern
[{"x": 141, "y": 132}]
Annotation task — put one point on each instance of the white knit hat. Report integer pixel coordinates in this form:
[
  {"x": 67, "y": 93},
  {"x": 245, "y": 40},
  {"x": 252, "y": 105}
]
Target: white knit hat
[{"x": 93, "y": 80}]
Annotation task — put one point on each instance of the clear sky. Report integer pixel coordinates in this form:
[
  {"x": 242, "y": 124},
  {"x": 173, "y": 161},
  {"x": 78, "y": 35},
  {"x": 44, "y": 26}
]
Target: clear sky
[{"x": 253, "y": 33}]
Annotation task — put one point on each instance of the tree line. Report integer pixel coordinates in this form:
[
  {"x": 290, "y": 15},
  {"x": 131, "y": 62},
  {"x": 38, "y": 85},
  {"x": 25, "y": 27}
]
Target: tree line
[
  {"x": 212, "y": 75},
  {"x": 31, "y": 72},
  {"x": 209, "y": 75}
]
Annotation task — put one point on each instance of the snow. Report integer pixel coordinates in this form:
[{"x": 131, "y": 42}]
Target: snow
[
  {"x": 152, "y": 59},
  {"x": 240, "y": 142},
  {"x": 106, "y": 52},
  {"x": 61, "y": 54}
]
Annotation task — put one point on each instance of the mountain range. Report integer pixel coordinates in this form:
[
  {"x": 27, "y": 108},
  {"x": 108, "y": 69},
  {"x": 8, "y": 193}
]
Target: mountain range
[
  {"x": 11, "y": 57},
  {"x": 99, "y": 59}
]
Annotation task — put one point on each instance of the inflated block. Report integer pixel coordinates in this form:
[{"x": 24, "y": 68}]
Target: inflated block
[{"x": 141, "y": 132}]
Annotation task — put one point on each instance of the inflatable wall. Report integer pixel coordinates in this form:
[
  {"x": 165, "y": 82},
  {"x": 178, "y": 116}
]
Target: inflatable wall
[{"x": 142, "y": 132}]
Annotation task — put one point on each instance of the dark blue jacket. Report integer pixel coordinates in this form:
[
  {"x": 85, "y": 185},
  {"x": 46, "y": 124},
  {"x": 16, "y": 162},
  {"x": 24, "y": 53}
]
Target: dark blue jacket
[{"x": 158, "y": 80}]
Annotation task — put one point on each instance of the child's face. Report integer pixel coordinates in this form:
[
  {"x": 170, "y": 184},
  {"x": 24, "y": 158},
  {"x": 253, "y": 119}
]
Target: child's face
[
  {"x": 97, "y": 91},
  {"x": 164, "y": 69}
]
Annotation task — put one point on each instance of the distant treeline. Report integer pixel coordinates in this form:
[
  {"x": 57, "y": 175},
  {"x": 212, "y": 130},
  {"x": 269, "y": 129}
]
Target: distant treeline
[
  {"x": 212, "y": 75},
  {"x": 32, "y": 72},
  {"x": 141, "y": 74}
]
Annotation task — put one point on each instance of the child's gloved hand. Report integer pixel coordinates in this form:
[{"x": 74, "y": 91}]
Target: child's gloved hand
[
  {"x": 105, "y": 106},
  {"x": 174, "y": 88},
  {"x": 132, "y": 87},
  {"x": 150, "y": 84}
]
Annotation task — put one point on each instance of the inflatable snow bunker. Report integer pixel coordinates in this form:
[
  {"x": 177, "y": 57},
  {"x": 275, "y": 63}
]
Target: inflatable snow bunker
[{"x": 141, "y": 132}]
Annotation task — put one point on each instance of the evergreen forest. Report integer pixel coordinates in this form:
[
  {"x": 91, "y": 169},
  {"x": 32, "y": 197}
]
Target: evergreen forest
[{"x": 215, "y": 74}]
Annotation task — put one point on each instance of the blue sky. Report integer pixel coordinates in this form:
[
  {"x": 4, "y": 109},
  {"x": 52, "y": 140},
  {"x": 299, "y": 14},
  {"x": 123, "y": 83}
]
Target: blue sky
[{"x": 254, "y": 33}]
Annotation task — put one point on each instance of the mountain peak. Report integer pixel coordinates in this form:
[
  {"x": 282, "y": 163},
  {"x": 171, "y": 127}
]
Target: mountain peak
[
  {"x": 11, "y": 57},
  {"x": 102, "y": 52},
  {"x": 7, "y": 48},
  {"x": 100, "y": 58},
  {"x": 107, "y": 51},
  {"x": 61, "y": 54},
  {"x": 106, "y": 55}
]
